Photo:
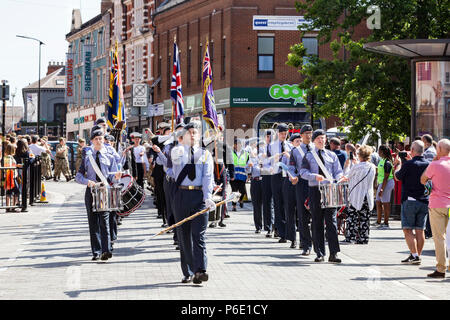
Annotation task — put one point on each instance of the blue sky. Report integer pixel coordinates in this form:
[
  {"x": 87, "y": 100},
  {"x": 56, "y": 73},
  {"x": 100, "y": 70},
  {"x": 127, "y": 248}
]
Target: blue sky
[{"x": 46, "y": 20}]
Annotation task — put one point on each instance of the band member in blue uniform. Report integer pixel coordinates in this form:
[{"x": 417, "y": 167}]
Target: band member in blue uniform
[
  {"x": 312, "y": 171},
  {"x": 289, "y": 193},
  {"x": 193, "y": 172},
  {"x": 98, "y": 222},
  {"x": 256, "y": 191},
  {"x": 279, "y": 151},
  {"x": 302, "y": 190},
  {"x": 267, "y": 201}
]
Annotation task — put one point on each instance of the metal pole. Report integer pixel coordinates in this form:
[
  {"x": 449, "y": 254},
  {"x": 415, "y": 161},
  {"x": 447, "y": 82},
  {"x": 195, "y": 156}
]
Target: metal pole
[{"x": 39, "y": 93}]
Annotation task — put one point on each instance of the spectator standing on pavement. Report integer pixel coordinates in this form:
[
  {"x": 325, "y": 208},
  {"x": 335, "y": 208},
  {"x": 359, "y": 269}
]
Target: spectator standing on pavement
[
  {"x": 385, "y": 181},
  {"x": 81, "y": 145},
  {"x": 351, "y": 157},
  {"x": 414, "y": 211},
  {"x": 430, "y": 151},
  {"x": 12, "y": 190},
  {"x": 335, "y": 146},
  {"x": 439, "y": 205},
  {"x": 360, "y": 177}
]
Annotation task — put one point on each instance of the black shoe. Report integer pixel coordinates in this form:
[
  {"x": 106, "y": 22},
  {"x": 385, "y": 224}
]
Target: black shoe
[
  {"x": 269, "y": 234},
  {"x": 212, "y": 225},
  {"x": 257, "y": 231},
  {"x": 319, "y": 259},
  {"x": 436, "y": 274},
  {"x": 177, "y": 248},
  {"x": 227, "y": 216},
  {"x": 282, "y": 240},
  {"x": 334, "y": 259},
  {"x": 200, "y": 277},
  {"x": 105, "y": 256},
  {"x": 241, "y": 204},
  {"x": 276, "y": 235},
  {"x": 187, "y": 279},
  {"x": 95, "y": 257},
  {"x": 306, "y": 252},
  {"x": 221, "y": 224},
  {"x": 411, "y": 260},
  {"x": 293, "y": 245},
  {"x": 234, "y": 209}
]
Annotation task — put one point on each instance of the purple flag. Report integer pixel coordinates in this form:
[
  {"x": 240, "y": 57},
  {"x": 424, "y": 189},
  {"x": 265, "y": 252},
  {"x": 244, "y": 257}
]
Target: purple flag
[{"x": 208, "y": 102}]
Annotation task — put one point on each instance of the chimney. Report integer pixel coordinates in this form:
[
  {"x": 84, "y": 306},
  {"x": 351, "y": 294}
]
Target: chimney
[
  {"x": 53, "y": 66},
  {"x": 76, "y": 19},
  {"x": 106, "y": 4}
]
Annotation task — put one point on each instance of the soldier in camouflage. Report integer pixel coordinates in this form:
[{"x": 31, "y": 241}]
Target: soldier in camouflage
[{"x": 62, "y": 160}]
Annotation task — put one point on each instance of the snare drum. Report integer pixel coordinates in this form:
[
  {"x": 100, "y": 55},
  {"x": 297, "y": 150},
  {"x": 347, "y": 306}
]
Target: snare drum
[
  {"x": 132, "y": 195},
  {"x": 106, "y": 198},
  {"x": 333, "y": 195}
]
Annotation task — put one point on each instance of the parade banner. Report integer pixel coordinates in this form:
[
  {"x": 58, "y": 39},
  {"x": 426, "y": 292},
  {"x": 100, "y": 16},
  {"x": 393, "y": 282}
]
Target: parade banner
[
  {"x": 69, "y": 93},
  {"x": 31, "y": 113},
  {"x": 87, "y": 89}
]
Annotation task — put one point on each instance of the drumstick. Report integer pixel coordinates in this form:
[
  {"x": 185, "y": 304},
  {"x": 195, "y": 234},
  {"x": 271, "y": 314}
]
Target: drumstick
[{"x": 233, "y": 196}]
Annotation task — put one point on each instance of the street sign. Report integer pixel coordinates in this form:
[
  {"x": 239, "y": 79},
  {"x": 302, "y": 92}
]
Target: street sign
[
  {"x": 140, "y": 95},
  {"x": 4, "y": 92}
]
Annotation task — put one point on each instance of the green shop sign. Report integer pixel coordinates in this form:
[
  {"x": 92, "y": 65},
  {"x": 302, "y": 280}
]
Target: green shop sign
[{"x": 288, "y": 96}]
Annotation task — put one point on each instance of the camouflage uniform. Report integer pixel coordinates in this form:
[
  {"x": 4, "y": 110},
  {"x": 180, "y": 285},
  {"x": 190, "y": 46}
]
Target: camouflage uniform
[
  {"x": 62, "y": 162},
  {"x": 79, "y": 157},
  {"x": 46, "y": 165}
]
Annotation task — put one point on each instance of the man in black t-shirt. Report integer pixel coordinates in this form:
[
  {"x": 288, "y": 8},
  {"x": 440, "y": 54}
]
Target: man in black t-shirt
[{"x": 414, "y": 210}]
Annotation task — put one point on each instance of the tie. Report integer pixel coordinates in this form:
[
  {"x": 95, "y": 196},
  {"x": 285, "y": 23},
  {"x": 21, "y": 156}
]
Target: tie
[
  {"x": 191, "y": 174},
  {"x": 308, "y": 148},
  {"x": 97, "y": 161},
  {"x": 268, "y": 151},
  {"x": 321, "y": 158}
]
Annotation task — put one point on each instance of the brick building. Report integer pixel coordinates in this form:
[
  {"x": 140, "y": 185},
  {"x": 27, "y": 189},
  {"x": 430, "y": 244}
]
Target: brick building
[{"x": 249, "y": 43}]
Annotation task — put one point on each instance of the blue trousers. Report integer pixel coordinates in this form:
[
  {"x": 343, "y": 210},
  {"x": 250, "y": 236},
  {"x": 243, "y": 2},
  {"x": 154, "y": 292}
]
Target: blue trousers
[
  {"x": 290, "y": 209},
  {"x": 98, "y": 227},
  {"x": 304, "y": 216},
  {"x": 169, "y": 190},
  {"x": 319, "y": 217},
  {"x": 267, "y": 202},
  {"x": 256, "y": 193},
  {"x": 191, "y": 234},
  {"x": 278, "y": 204}
]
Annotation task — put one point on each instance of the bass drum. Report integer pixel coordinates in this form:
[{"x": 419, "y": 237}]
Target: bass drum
[{"x": 132, "y": 195}]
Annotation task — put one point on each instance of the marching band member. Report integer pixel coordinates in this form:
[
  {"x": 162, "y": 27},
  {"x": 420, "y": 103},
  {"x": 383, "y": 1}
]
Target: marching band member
[
  {"x": 139, "y": 158},
  {"x": 320, "y": 165},
  {"x": 290, "y": 195},
  {"x": 265, "y": 165},
  {"x": 256, "y": 190},
  {"x": 193, "y": 172},
  {"x": 302, "y": 189},
  {"x": 279, "y": 150},
  {"x": 98, "y": 222}
]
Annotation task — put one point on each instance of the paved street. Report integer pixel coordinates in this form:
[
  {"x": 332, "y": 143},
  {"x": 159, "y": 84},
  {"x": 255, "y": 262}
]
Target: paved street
[{"x": 45, "y": 254}]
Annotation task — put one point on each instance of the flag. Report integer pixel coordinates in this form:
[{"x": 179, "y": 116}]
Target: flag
[
  {"x": 208, "y": 102},
  {"x": 116, "y": 106},
  {"x": 176, "y": 92}
]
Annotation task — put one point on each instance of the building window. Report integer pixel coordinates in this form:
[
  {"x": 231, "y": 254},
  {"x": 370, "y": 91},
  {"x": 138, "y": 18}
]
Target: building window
[
  {"x": 138, "y": 13},
  {"x": 311, "y": 46},
  {"x": 118, "y": 21},
  {"x": 129, "y": 67},
  {"x": 266, "y": 54},
  {"x": 139, "y": 62}
]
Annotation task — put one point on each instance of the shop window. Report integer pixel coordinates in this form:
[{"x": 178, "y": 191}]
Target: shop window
[
  {"x": 312, "y": 48},
  {"x": 266, "y": 54}
]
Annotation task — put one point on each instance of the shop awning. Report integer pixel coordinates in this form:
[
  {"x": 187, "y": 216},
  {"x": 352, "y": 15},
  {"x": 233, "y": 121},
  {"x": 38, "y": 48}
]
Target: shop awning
[{"x": 413, "y": 48}]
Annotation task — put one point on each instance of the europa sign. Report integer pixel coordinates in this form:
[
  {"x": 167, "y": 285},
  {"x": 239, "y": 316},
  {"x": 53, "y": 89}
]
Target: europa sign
[{"x": 287, "y": 92}]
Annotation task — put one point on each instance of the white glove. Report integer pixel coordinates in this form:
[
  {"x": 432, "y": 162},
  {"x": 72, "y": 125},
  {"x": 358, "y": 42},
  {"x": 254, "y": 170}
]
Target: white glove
[{"x": 209, "y": 203}]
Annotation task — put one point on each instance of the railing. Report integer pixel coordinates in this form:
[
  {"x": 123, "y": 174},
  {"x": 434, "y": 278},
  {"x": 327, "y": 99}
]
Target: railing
[{"x": 20, "y": 186}]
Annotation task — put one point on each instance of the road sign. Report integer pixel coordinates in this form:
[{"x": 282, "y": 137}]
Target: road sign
[{"x": 140, "y": 95}]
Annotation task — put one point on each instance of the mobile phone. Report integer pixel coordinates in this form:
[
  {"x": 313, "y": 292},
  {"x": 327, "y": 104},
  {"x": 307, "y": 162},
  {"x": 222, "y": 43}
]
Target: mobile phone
[
  {"x": 402, "y": 154},
  {"x": 351, "y": 155}
]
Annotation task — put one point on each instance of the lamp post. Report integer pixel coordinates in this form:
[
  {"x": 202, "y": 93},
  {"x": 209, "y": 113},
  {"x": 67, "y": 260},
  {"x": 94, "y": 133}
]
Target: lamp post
[{"x": 39, "y": 81}]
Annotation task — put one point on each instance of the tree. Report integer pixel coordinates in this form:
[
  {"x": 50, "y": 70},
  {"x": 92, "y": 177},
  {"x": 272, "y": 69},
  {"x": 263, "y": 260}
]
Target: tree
[{"x": 364, "y": 89}]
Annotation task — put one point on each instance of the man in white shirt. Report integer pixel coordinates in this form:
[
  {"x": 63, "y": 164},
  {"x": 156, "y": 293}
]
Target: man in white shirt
[{"x": 35, "y": 148}]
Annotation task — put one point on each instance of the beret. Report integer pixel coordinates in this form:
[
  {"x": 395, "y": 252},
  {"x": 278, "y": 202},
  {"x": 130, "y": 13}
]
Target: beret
[
  {"x": 282, "y": 127},
  {"x": 109, "y": 137},
  {"x": 96, "y": 127},
  {"x": 294, "y": 136},
  {"x": 318, "y": 132},
  {"x": 306, "y": 128},
  {"x": 100, "y": 120},
  {"x": 96, "y": 133}
]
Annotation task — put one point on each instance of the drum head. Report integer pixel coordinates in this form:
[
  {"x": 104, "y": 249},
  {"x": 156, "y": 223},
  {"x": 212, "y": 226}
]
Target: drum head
[{"x": 127, "y": 181}]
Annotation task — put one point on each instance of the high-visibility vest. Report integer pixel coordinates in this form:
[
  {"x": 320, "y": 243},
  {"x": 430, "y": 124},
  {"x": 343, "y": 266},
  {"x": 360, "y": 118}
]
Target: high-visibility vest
[
  {"x": 239, "y": 165},
  {"x": 381, "y": 171}
]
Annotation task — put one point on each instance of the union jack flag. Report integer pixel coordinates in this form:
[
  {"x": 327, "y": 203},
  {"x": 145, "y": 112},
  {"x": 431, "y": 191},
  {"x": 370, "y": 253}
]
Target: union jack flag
[{"x": 176, "y": 92}]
